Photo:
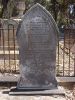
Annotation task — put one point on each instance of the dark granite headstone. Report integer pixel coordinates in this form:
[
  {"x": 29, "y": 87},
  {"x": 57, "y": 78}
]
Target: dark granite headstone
[{"x": 37, "y": 39}]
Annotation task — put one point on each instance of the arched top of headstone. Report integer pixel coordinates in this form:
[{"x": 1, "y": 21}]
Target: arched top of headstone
[{"x": 37, "y": 11}]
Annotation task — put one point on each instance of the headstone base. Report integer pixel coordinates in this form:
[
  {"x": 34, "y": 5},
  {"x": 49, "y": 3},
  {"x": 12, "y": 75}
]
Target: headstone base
[{"x": 57, "y": 91}]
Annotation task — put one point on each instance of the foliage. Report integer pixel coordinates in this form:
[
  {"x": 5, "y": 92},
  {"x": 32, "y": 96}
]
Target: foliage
[{"x": 58, "y": 8}]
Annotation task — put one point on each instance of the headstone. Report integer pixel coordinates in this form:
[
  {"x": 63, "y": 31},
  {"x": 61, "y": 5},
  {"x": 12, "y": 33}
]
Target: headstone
[{"x": 37, "y": 39}]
